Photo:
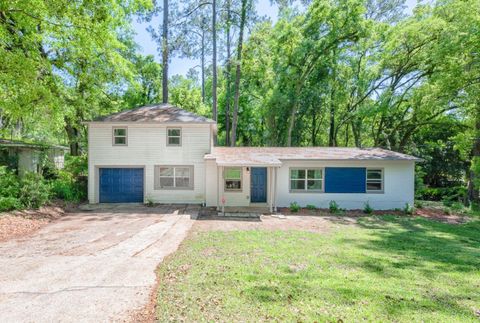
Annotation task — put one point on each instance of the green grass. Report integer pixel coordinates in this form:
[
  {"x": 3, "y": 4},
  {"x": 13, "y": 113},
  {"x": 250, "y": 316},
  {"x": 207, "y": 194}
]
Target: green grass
[{"x": 383, "y": 269}]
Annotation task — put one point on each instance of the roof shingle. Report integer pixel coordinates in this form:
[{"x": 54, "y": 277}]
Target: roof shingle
[
  {"x": 273, "y": 155},
  {"x": 163, "y": 113}
]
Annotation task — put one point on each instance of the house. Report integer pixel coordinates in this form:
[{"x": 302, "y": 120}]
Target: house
[
  {"x": 164, "y": 154},
  {"x": 30, "y": 157}
]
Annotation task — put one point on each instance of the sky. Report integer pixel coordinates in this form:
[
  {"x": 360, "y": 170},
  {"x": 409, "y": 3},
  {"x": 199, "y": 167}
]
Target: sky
[{"x": 182, "y": 65}]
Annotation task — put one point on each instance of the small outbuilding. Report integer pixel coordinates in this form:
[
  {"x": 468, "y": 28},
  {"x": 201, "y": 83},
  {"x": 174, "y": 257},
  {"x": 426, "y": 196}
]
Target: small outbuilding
[{"x": 30, "y": 157}]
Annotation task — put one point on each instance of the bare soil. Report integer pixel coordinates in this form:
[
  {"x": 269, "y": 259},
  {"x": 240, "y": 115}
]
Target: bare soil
[
  {"x": 18, "y": 224},
  {"x": 271, "y": 222},
  {"x": 440, "y": 215}
]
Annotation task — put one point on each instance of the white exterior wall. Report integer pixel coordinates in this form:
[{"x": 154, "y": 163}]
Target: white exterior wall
[
  {"x": 232, "y": 198},
  {"x": 398, "y": 186},
  {"x": 147, "y": 147}
]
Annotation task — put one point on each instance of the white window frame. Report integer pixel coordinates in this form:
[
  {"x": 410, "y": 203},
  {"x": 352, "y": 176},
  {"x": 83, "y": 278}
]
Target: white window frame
[
  {"x": 158, "y": 185},
  {"x": 381, "y": 180},
  {"x": 118, "y": 136},
  {"x": 225, "y": 179},
  {"x": 169, "y": 136},
  {"x": 306, "y": 179}
]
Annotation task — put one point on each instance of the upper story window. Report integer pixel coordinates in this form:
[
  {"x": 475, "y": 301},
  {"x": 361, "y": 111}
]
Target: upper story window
[
  {"x": 374, "y": 180},
  {"x": 119, "y": 136},
  {"x": 233, "y": 179},
  {"x": 174, "y": 136},
  {"x": 306, "y": 179}
]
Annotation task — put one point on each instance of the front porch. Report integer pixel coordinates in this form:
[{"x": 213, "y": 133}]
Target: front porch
[{"x": 244, "y": 187}]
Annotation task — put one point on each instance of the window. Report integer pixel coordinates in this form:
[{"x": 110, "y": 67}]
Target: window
[
  {"x": 374, "y": 180},
  {"x": 306, "y": 179},
  {"x": 174, "y": 177},
  {"x": 120, "y": 136},
  {"x": 233, "y": 179},
  {"x": 174, "y": 137}
]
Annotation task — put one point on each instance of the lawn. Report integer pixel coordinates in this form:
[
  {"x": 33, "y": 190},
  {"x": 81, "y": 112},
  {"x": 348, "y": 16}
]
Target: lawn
[{"x": 384, "y": 268}]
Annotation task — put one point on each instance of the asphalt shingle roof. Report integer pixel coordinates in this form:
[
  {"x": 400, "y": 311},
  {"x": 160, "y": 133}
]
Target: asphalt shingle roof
[
  {"x": 273, "y": 155},
  {"x": 163, "y": 113}
]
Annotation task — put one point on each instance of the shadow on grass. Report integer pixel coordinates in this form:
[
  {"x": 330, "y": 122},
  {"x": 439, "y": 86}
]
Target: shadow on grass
[{"x": 453, "y": 247}]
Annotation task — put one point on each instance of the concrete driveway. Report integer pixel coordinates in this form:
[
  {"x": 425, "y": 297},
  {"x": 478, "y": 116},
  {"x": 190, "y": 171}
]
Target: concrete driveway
[{"x": 93, "y": 266}]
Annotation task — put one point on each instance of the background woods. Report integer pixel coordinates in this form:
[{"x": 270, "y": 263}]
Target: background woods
[{"x": 326, "y": 73}]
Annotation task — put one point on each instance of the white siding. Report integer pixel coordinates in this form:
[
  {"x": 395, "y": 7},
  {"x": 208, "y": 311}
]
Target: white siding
[
  {"x": 146, "y": 148},
  {"x": 232, "y": 198},
  {"x": 398, "y": 186}
]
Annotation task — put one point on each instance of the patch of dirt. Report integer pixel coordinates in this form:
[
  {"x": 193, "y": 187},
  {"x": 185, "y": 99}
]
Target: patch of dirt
[
  {"x": 18, "y": 224},
  {"x": 440, "y": 215},
  {"x": 269, "y": 222}
]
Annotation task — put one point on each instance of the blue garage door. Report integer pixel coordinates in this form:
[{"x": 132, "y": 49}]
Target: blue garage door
[
  {"x": 121, "y": 185},
  {"x": 345, "y": 180}
]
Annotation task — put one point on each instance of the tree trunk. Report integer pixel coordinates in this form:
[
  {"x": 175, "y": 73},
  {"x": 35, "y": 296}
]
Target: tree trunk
[
  {"x": 237, "y": 73},
  {"x": 72, "y": 135},
  {"x": 474, "y": 173},
  {"x": 214, "y": 65},
  {"x": 203, "y": 65},
  {"x": 356, "y": 133},
  {"x": 331, "y": 132},
  {"x": 291, "y": 124},
  {"x": 165, "y": 53},
  {"x": 229, "y": 71}
]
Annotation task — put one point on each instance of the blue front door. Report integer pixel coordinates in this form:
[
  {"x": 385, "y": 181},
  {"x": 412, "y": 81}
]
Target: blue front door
[
  {"x": 258, "y": 185},
  {"x": 121, "y": 185}
]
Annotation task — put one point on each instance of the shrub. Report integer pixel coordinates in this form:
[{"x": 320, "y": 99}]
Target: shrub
[
  {"x": 294, "y": 207},
  {"x": 76, "y": 165},
  {"x": 34, "y": 191},
  {"x": 457, "y": 207},
  {"x": 9, "y": 203},
  {"x": 418, "y": 204},
  {"x": 66, "y": 187},
  {"x": 9, "y": 184},
  {"x": 311, "y": 207},
  {"x": 408, "y": 209},
  {"x": 150, "y": 202},
  {"x": 333, "y": 207},
  {"x": 367, "y": 209},
  {"x": 455, "y": 193}
]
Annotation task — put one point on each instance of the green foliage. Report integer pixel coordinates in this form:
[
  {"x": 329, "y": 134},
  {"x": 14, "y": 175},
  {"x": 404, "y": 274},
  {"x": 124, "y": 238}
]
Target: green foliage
[
  {"x": 9, "y": 203},
  {"x": 77, "y": 166},
  {"x": 150, "y": 202},
  {"x": 334, "y": 207},
  {"x": 456, "y": 193},
  {"x": 418, "y": 204},
  {"x": 34, "y": 191},
  {"x": 367, "y": 209},
  {"x": 294, "y": 207},
  {"x": 408, "y": 209},
  {"x": 311, "y": 207},
  {"x": 67, "y": 188},
  {"x": 9, "y": 183}
]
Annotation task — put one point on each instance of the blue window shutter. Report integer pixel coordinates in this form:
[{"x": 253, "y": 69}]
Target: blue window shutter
[{"x": 345, "y": 180}]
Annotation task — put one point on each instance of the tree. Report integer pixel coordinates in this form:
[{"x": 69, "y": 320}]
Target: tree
[
  {"x": 165, "y": 53},
  {"x": 238, "y": 63}
]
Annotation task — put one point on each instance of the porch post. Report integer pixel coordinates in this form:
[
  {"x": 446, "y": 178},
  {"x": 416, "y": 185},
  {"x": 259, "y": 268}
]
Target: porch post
[
  {"x": 218, "y": 188},
  {"x": 275, "y": 190},
  {"x": 270, "y": 189}
]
